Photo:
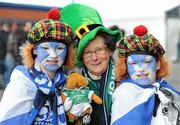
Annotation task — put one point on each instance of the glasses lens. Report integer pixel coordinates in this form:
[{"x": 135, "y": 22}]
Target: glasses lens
[
  {"x": 87, "y": 54},
  {"x": 100, "y": 51},
  {"x": 97, "y": 51}
]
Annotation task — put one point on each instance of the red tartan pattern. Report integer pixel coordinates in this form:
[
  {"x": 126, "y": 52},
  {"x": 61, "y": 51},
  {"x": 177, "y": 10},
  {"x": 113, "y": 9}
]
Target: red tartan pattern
[
  {"x": 50, "y": 29},
  {"x": 143, "y": 44}
]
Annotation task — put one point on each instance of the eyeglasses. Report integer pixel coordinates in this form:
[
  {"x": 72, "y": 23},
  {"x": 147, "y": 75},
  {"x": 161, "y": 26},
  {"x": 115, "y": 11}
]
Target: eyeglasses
[{"x": 97, "y": 51}]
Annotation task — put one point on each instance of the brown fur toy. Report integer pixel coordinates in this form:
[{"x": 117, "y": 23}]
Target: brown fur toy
[{"x": 77, "y": 98}]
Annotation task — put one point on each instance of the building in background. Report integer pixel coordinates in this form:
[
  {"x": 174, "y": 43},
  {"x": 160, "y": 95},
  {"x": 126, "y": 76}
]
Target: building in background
[
  {"x": 173, "y": 33},
  {"x": 22, "y": 12}
]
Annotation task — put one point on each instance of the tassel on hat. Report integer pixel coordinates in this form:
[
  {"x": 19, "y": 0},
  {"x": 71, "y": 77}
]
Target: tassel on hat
[
  {"x": 53, "y": 14},
  {"x": 140, "y": 30}
]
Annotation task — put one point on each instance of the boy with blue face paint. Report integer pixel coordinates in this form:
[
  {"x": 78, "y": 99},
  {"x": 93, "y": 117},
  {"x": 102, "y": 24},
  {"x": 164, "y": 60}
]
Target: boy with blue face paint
[
  {"x": 33, "y": 95},
  {"x": 142, "y": 68},
  {"x": 51, "y": 55},
  {"x": 143, "y": 97}
]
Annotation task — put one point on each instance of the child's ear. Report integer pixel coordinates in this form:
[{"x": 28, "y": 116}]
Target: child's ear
[
  {"x": 35, "y": 51},
  {"x": 158, "y": 65}
]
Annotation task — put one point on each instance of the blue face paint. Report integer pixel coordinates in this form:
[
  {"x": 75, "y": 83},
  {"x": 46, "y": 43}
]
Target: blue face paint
[
  {"x": 51, "y": 55},
  {"x": 142, "y": 68}
]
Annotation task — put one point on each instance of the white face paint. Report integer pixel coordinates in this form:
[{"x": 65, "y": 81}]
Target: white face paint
[
  {"x": 51, "y": 55},
  {"x": 142, "y": 68}
]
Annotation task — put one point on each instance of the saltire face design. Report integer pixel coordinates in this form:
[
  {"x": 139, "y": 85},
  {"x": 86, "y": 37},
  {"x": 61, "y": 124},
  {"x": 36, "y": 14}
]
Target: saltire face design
[
  {"x": 51, "y": 55},
  {"x": 142, "y": 68}
]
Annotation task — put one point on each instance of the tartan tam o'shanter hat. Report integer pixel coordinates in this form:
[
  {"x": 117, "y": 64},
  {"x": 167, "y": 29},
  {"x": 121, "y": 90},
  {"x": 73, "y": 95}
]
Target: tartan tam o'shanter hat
[
  {"x": 50, "y": 29},
  {"x": 86, "y": 23},
  {"x": 140, "y": 42}
]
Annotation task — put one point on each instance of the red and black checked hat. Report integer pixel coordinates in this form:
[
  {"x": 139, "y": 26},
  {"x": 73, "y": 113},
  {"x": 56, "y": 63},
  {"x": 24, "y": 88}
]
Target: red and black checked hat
[
  {"x": 140, "y": 42},
  {"x": 51, "y": 29}
]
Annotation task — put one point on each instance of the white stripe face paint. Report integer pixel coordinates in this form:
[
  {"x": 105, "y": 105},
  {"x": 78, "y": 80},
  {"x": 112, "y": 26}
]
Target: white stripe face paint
[
  {"x": 142, "y": 68},
  {"x": 51, "y": 55}
]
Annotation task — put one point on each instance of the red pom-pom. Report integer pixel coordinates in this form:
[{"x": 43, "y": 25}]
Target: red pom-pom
[
  {"x": 53, "y": 14},
  {"x": 140, "y": 30}
]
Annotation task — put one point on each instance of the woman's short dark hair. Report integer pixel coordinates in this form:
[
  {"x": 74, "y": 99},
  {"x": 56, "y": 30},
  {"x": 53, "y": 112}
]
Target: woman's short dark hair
[{"x": 109, "y": 40}]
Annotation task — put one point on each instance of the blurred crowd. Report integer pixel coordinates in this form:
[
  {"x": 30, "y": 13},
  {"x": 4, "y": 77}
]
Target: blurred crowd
[{"x": 12, "y": 35}]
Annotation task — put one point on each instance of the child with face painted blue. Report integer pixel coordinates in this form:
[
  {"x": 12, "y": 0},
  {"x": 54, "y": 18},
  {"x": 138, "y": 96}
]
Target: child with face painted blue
[
  {"x": 143, "y": 97},
  {"x": 33, "y": 95}
]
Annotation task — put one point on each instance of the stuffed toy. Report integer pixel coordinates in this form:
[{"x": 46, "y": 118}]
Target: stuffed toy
[{"x": 77, "y": 98}]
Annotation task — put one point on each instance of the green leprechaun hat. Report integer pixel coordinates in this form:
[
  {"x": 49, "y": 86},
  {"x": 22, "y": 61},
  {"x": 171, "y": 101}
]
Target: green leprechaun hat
[{"x": 86, "y": 23}]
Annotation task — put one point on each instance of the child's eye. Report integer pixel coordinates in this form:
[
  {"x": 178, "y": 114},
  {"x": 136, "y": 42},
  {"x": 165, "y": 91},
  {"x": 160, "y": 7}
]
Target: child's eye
[
  {"x": 132, "y": 63},
  {"x": 46, "y": 48},
  {"x": 147, "y": 61},
  {"x": 60, "y": 48}
]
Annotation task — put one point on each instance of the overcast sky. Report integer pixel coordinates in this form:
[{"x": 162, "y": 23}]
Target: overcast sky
[{"x": 114, "y": 9}]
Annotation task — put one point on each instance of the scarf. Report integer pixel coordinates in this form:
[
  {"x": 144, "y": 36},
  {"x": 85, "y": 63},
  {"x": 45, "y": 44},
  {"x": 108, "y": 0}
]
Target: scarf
[
  {"x": 109, "y": 87},
  {"x": 48, "y": 105},
  {"x": 137, "y": 104}
]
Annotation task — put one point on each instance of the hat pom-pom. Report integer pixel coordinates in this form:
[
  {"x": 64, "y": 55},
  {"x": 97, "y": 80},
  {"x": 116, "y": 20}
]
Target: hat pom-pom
[
  {"x": 140, "y": 30},
  {"x": 53, "y": 14}
]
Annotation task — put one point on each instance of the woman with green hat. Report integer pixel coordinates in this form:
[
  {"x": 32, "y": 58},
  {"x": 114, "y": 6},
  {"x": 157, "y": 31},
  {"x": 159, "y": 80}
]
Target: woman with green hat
[
  {"x": 95, "y": 47},
  {"x": 32, "y": 96}
]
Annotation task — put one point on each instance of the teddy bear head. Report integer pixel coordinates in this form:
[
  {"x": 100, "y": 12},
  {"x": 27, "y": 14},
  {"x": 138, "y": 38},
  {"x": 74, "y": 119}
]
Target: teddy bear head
[{"x": 76, "y": 80}]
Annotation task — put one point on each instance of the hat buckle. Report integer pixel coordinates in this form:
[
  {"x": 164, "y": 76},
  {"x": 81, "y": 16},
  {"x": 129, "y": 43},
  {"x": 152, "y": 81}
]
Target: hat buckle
[{"x": 81, "y": 31}]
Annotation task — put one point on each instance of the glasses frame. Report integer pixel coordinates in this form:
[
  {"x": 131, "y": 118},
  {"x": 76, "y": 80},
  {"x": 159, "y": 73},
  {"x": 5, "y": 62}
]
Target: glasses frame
[{"x": 103, "y": 49}]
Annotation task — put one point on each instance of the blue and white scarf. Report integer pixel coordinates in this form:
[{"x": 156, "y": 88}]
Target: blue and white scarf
[
  {"x": 31, "y": 98},
  {"x": 48, "y": 106},
  {"x": 134, "y": 104}
]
